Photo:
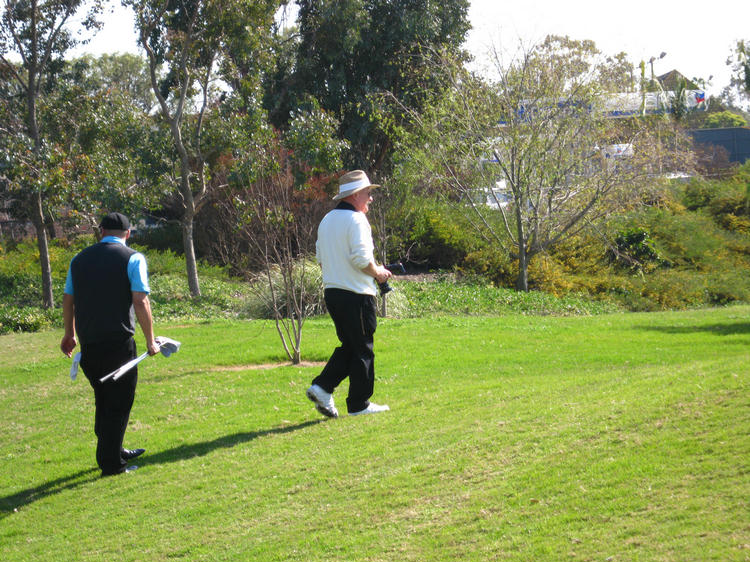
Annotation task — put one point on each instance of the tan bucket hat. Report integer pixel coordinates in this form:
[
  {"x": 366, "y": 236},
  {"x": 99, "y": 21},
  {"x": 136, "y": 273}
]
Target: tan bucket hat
[{"x": 352, "y": 182}]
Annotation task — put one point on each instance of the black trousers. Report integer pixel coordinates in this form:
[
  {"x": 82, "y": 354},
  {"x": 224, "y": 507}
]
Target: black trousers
[
  {"x": 355, "y": 320},
  {"x": 113, "y": 399}
]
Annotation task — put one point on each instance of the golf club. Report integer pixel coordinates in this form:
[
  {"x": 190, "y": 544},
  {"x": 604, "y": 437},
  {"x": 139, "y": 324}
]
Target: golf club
[
  {"x": 167, "y": 347},
  {"x": 395, "y": 268}
]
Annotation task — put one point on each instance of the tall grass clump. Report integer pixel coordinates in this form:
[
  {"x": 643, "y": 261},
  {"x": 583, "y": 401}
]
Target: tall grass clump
[
  {"x": 453, "y": 295},
  {"x": 269, "y": 290}
]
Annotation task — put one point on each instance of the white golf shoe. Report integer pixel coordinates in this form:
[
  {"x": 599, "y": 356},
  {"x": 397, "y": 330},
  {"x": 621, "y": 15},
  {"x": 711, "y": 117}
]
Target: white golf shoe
[
  {"x": 323, "y": 401},
  {"x": 372, "y": 409}
]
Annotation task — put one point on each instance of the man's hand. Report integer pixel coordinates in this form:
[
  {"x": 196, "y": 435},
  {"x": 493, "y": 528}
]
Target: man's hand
[
  {"x": 382, "y": 274},
  {"x": 153, "y": 347},
  {"x": 378, "y": 272},
  {"x": 68, "y": 344}
]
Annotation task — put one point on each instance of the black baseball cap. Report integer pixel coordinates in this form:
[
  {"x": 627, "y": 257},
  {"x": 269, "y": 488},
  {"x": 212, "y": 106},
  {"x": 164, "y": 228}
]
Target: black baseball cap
[{"x": 115, "y": 221}]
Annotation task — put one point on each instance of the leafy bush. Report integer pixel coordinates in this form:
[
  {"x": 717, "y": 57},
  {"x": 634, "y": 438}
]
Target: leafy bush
[
  {"x": 20, "y": 274},
  {"x": 697, "y": 194},
  {"x": 728, "y": 202},
  {"x": 27, "y": 318},
  {"x": 20, "y": 289},
  {"x": 721, "y": 119},
  {"x": 634, "y": 249},
  {"x": 689, "y": 240},
  {"x": 171, "y": 300},
  {"x": 492, "y": 264},
  {"x": 167, "y": 262},
  {"x": 730, "y": 210},
  {"x": 548, "y": 274},
  {"x": 166, "y": 237},
  {"x": 441, "y": 238}
]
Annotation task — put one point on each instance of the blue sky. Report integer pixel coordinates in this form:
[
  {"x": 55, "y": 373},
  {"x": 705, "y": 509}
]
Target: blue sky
[{"x": 697, "y": 36}]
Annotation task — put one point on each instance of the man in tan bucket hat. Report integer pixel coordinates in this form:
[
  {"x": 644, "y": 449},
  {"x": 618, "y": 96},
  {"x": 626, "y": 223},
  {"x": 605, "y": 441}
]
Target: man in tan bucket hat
[{"x": 345, "y": 252}]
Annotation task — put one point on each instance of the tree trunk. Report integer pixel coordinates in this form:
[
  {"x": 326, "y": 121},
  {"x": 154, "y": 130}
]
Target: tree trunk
[
  {"x": 48, "y": 300},
  {"x": 383, "y": 305},
  {"x": 522, "y": 282},
  {"x": 188, "y": 247},
  {"x": 37, "y": 213}
]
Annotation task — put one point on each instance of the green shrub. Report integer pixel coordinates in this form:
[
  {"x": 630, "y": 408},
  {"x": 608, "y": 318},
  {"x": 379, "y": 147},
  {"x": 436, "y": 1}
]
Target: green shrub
[
  {"x": 723, "y": 119},
  {"x": 727, "y": 287},
  {"x": 20, "y": 272},
  {"x": 547, "y": 274},
  {"x": 21, "y": 289},
  {"x": 27, "y": 318},
  {"x": 730, "y": 210},
  {"x": 449, "y": 294},
  {"x": 492, "y": 264},
  {"x": 728, "y": 202},
  {"x": 697, "y": 194},
  {"x": 166, "y": 237},
  {"x": 687, "y": 239},
  {"x": 441, "y": 238},
  {"x": 634, "y": 249},
  {"x": 167, "y": 262},
  {"x": 171, "y": 300}
]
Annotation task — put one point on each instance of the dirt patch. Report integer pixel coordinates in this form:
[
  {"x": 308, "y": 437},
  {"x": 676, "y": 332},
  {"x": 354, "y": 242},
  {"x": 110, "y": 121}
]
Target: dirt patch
[
  {"x": 269, "y": 366},
  {"x": 425, "y": 277}
]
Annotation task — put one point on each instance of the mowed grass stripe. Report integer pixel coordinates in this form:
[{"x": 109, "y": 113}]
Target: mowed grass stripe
[{"x": 513, "y": 438}]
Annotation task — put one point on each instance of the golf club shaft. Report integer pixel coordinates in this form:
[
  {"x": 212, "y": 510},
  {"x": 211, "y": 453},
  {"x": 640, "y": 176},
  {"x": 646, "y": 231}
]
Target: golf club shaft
[{"x": 117, "y": 373}]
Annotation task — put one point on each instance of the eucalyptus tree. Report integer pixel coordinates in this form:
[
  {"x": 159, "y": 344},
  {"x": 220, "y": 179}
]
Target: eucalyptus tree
[
  {"x": 194, "y": 43},
  {"x": 125, "y": 75},
  {"x": 531, "y": 154},
  {"x": 99, "y": 115},
  {"x": 740, "y": 64},
  {"x": 34, "y": 38},
  {"x": 349, "y": 52}
]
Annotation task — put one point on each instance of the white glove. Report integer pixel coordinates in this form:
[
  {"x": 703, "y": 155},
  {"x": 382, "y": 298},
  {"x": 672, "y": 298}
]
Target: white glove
[{"x": 74, "y": 366}]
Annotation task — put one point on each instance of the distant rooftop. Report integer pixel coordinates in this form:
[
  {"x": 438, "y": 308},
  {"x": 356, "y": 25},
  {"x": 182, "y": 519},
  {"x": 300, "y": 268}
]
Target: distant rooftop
[{"x": 671, "y": 80}]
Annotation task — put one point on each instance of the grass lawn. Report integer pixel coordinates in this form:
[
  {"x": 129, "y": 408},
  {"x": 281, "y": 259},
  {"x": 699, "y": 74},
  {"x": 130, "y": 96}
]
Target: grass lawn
[{"x": 613, "y": 437}]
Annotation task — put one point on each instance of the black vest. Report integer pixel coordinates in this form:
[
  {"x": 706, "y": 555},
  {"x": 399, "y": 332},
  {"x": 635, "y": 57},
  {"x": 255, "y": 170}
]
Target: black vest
[{"x": 101, "y": 289}]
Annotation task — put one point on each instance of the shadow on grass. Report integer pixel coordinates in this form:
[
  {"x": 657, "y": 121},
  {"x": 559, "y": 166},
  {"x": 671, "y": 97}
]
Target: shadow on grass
[
  {"x": 718, "y": 329},
  {"x": 199, "y": 449},
  {"x": 12, "y": 502},
  {"x": 8, "y": 504}
]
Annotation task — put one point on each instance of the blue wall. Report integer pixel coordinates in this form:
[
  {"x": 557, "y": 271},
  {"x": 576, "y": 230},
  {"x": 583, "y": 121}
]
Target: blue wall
[{"x": 735, "y": 139}]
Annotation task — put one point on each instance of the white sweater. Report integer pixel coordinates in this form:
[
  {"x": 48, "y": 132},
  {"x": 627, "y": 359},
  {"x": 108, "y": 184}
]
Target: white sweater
[{"x": 343, "y": 248}]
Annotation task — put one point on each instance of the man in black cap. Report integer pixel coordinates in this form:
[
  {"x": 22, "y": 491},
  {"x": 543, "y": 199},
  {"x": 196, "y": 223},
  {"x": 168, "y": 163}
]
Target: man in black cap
[{"x": 105, "y": 291}]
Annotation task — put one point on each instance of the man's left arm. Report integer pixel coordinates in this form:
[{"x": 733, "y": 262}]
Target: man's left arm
[
  {"x": 142, "y": 308},
  {"x": 362, "y": 249},
  {"x": 68, "y": 342},
  {"x": 380, "y": 273}
]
